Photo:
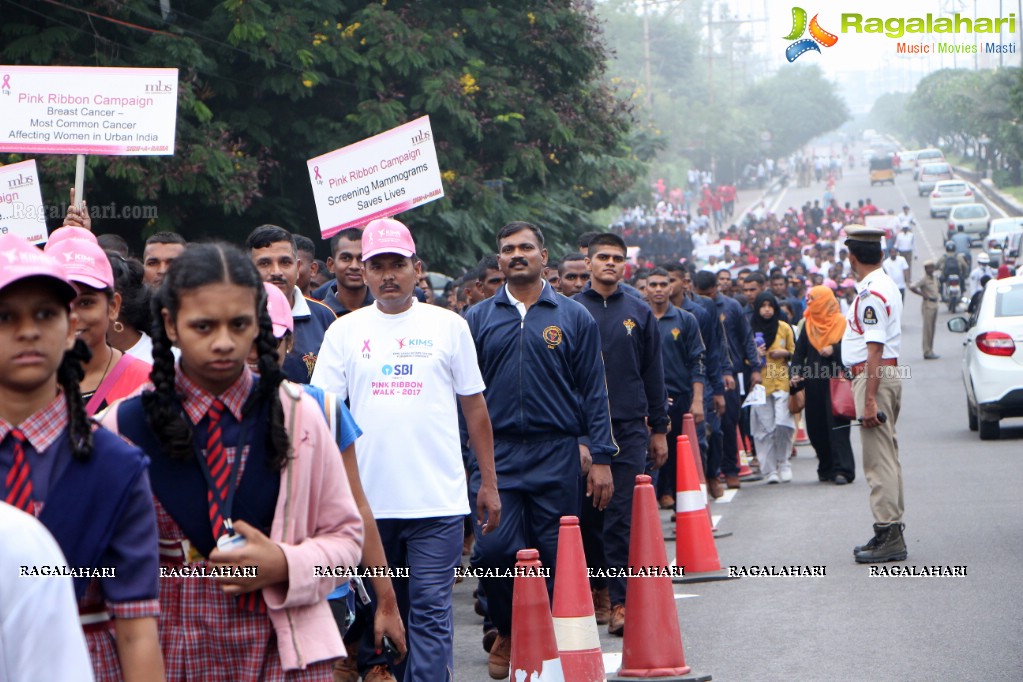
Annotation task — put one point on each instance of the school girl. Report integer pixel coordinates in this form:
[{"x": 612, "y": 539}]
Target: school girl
[
  {"x": 245, "y": 476},
  {"x": 88, "y": 487},
  {"x": 109, "y": 374}
]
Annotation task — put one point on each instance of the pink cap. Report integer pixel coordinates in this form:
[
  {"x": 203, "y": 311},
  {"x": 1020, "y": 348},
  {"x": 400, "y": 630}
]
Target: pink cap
[
  {"x": 387, "y": 235},
  {"x": 277, "y": 305},
  {"x": 20, "y": 260},
  {"x": 85, "y": 262},
  {"x": 831, "y": 284},
  {"x": 846, "y": 283},
  {"x": 71, "y": 232}
]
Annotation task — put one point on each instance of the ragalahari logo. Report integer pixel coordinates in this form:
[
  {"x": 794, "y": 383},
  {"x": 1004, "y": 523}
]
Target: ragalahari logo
[{"x": 818, "y": 35}]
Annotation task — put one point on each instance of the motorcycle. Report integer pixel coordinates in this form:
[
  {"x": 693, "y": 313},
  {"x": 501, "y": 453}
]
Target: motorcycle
[{"x": 953, "y": 292}]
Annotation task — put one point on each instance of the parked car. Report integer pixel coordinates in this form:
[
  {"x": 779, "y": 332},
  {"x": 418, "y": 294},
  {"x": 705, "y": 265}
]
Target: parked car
[
  {"x": 908, "y": 157},
  {"x": 1000, "y": 230},
  {"x": 949, "y": 193},
  {"x": 993, "y": 360},
  {"x": 975, "y": 219},
  {"x": 931, "y": 173}
]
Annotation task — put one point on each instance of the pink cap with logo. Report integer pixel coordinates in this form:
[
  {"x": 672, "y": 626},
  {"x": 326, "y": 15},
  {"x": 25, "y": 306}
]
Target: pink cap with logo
[
  {"x": 387, "y": 235},
  {"x": 85, "y": 262},
  {"x": 847, "y": 283},
  {"x": 72, "y": 232},
  {"x": 277, "y": 305},
  {"x": 20, "y": 260}
]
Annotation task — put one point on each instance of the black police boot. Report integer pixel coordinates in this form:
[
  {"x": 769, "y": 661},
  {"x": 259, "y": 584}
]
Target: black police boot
[
  {"x": 889, "y": 545},
  {"x": 870, "y": 544}
]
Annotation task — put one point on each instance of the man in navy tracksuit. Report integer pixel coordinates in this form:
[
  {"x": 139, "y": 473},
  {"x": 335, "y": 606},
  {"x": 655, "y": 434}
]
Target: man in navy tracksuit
[
  {"x": 684, "y": 374},
  {"x": 539, "y": 354},
  {"x": 635, "y": 377},
  {"x": 715, "y": 360},
  {"x": 745, "y": 360}
]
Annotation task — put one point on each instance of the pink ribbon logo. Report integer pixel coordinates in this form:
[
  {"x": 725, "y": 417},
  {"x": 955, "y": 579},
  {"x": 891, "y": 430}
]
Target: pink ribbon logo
[
  {"x": 7, "y": 82},
  {"x": 365, "y": 346},
  {"x": 319, "y": 178}
]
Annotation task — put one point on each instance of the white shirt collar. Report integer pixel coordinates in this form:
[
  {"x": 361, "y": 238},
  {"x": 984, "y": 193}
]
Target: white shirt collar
[
  {"x": 300, "y": 308},
  {"x": 519, "y": 305}
]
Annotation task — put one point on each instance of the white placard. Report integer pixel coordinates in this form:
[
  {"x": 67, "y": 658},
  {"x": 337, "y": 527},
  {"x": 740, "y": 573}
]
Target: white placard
[
  {"x": 21, "y": 202},
  {"x": 378, "y": 177},
  {"x": 88, "y": 110}
]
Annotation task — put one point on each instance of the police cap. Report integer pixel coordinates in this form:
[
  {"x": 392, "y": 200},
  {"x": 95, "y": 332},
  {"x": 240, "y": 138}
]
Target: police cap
[{"x": 861, "y": 233}]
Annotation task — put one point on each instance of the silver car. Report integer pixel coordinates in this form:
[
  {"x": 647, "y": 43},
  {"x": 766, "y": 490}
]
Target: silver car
[
  {"x": 975, "y": 220},
  {"x": 929, "y": 174},
  {"x": 949, "y": 193}
]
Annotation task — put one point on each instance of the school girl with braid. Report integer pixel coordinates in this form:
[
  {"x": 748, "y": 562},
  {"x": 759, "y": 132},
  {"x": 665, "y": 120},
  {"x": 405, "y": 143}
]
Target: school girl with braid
[
  {"x": 87, "y": 486},
  {"x": 245, "y": 475},
  {"x": 109, "y": 374}
]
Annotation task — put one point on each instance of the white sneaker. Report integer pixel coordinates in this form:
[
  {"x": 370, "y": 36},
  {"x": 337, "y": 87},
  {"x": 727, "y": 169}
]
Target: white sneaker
[
  {"x": 772, "y": 478},
  {"x": 786, "y": 475}
]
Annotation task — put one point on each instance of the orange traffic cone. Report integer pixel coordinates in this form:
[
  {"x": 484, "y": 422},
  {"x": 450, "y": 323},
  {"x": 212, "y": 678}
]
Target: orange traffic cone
[
  {"x": 534, "y": 651},
  {"x": 745, "y": 473},
  {"x": 652, "y": 646},
  {"x": 574, "y": 624},
  {"x": 689, "y": 430},
  {"x": 694, "y": 540}
]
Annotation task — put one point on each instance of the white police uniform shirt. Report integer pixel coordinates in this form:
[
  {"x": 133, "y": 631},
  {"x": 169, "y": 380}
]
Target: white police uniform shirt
[{"x": 875, "y": 316}]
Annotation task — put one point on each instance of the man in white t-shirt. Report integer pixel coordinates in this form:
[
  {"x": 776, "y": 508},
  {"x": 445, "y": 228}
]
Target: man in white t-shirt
[
  {"x": 402, "y": 364},
  {"x": 896, "y": 267},
  {"x": 904, "y": 241}
]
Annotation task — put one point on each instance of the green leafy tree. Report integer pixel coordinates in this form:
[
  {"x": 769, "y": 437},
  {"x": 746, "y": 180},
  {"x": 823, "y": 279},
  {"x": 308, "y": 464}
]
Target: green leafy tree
[{"x": 525, "y": 125}]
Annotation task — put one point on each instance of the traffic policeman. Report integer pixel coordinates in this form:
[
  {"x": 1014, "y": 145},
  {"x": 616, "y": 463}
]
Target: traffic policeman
[
  {"x": 927, "y": 288},
  {"x": 870, "y": 349}
]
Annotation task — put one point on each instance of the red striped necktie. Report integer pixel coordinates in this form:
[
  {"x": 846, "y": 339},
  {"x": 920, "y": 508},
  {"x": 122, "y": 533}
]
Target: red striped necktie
[
  {"x": 216, "y": 460},
  {"x": 220, "y": 472},
  {"x": 19, "y": 478}
]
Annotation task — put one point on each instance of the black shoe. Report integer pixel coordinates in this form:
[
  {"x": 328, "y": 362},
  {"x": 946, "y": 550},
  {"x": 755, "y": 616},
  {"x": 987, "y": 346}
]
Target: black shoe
[
  {"x": 824, "y": 479},
  {"x": 840, "y": 479},
  {"x": 931, "y": 356},
  {"x": 889, "y": 545}
]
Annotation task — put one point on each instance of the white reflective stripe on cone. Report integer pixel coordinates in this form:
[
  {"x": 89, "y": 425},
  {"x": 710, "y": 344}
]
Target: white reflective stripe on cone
[
  {"x": 703, "y": 491},
  {"x": 576, "y": 634},
  {"x": 551, "y": 672},
  {"x": 690, "y": 501}
]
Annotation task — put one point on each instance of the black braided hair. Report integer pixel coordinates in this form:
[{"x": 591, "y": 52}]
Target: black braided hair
[
  {"x": 135, "y": 296},
  {"x": 69, "y": 375},
  {"x": 199, "y": 265}
]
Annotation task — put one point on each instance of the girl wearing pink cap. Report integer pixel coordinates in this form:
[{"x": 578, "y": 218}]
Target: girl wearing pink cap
[
  {"x": 90, "y": 489},
  {"x": 109, "y": 374}
]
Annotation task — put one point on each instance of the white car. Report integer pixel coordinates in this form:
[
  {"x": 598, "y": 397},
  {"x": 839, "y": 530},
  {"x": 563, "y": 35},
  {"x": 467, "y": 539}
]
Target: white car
[
  {"x": 949, "y": 193},
  {"x": 974, "y": 218},
  {"x": 1000, "y": 230},
  {"x": 993, "y": 359}
]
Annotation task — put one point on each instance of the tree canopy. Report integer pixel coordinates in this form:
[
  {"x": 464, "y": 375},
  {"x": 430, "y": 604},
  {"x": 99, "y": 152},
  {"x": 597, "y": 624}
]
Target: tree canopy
[{"x": 526, "y": 127}]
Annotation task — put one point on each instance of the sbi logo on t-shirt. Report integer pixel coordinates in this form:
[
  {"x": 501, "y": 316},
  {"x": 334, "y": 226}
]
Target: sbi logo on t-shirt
[{"x": 396, "y": 370}]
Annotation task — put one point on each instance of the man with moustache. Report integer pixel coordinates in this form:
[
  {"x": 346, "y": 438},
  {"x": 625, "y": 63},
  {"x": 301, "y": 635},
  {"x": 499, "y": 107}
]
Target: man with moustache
[{"x": 540, "y": 358}]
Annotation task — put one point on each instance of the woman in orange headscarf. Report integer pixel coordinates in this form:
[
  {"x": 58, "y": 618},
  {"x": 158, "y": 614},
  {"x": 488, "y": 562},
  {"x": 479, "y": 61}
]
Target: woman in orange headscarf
[{"x": 818, "y": 358}]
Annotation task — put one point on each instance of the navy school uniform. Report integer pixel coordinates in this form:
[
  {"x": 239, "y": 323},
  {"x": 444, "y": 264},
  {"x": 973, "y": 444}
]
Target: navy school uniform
[
  {"x": 101, "y": 513},
  {"x": 545, "y": 390}
]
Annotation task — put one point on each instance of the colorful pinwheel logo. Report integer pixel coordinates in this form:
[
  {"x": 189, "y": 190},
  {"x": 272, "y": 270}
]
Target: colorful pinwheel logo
[{"x": 818, "y": 35}]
